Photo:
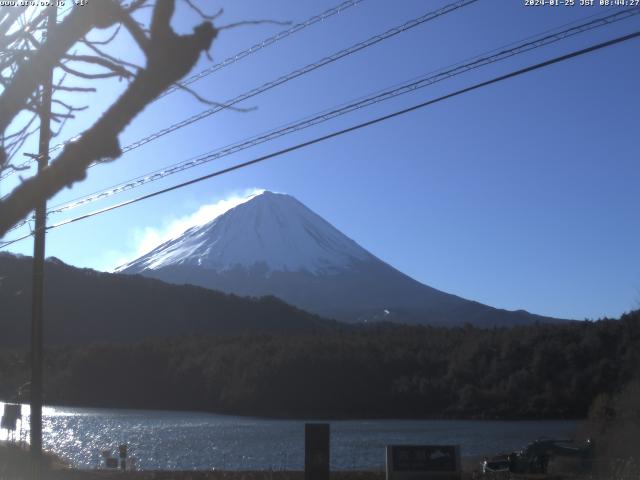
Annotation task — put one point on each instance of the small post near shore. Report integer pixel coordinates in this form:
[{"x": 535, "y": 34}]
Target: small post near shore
[
  {"x": 122, "y": 450},
  {"x": 316, "y": 451}
]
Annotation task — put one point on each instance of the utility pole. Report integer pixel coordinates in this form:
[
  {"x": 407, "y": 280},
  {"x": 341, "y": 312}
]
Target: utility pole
[{"x": 38, "y": 265}]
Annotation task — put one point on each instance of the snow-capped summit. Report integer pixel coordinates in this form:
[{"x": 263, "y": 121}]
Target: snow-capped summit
[
  {"x": 270, "y": 230},
  {"x": 271, "y": 244}
]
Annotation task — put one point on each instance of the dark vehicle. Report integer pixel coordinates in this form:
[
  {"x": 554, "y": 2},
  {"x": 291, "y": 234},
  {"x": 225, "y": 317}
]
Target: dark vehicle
[
  {"x": 535, "y": 457},
  {"x": 497, "y": 464}
]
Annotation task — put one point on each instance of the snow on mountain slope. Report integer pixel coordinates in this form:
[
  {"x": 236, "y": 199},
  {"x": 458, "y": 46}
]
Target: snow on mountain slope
[
  {"x": 270, "y": 229},
  {"x": 273, "y": 245}
]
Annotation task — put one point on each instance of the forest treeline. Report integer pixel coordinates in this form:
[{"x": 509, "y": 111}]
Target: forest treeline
[
  {"x": 537, "y": 371},
  {"x": 84, "y": 306}
]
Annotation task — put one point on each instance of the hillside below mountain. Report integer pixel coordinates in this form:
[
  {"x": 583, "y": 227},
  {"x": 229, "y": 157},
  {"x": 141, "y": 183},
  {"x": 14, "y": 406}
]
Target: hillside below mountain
[
  {"x": 85, "y": 306},
  {"x": 274, "y": 245}
]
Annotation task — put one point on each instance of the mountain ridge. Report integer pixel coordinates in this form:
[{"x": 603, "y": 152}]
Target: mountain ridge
[
  {"x": 272, "y": 244},
  {"x": 280, "y": 223}
]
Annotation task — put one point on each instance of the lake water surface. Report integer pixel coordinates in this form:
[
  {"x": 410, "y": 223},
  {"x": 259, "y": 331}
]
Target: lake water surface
[{"x": 188, "y": 440}]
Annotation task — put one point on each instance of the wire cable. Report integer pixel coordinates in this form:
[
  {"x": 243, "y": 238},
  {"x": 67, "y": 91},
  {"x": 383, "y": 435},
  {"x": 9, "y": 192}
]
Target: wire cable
[
  {"x": 344, "y": 131},
  {"x": 293, "y": 74},
  {"x": 218, "y": 66},
  {"x": 302, "y": 71},
  {"x": 263, "y": 44},
  {"x": 407, "y": 87}
]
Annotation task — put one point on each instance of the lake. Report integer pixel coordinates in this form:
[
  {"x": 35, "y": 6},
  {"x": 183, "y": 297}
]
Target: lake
[{"x": 202, "y": 441}]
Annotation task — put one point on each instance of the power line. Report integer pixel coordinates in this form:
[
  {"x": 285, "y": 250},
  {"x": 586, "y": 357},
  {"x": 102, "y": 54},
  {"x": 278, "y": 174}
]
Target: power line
[
  {"x": 407, "y": 87},
  {"x": 302, "y": 71},
  {"x": 338, "y": 133},
  {"x": 263, "y": 44},
  {"x": 225, "y": 63},
  {"x": 291, "y": 75}
]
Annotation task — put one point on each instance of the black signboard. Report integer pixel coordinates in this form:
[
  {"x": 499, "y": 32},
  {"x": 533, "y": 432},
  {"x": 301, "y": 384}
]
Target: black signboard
[
  {"x": 427, "y": 458},
  {"x": 316, "y": 451}
]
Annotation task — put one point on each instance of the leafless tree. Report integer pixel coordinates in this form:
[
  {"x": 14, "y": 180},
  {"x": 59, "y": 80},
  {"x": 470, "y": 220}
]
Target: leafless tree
[{"x": 26, "y": 56}]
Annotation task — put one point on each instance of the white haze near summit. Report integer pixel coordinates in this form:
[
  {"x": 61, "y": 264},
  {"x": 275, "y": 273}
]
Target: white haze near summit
[{"x": 147, "y": 238}]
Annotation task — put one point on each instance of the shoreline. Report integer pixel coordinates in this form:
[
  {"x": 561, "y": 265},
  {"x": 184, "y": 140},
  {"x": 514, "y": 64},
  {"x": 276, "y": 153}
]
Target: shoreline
[
  {"x": 309, "y": 418},
  {"x": 15, "y": 462}
]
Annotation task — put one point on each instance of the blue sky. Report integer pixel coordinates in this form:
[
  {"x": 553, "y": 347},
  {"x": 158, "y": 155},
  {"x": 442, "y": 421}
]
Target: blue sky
[{"x": 518, "y": 195}]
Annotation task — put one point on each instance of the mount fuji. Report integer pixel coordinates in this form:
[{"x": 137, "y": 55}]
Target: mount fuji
[{"x": 274, "y": 245}]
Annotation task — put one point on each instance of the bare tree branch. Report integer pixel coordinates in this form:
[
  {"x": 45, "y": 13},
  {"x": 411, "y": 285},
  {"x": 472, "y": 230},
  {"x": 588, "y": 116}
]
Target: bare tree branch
[
  {"x": 206, "y": 101},
  {"x": 203, "y": 15},
  {"x": 103, "y": 62},
  {"x": 108, "y": 40},
  {"x": 106, "y": 56},
  {"x": 252, "y": 22},
  {"x": 9, "y": 20},
  {"x": 30, "y": 74},
  {"x": 169, "y": 58},
  {"x": 93, "y": 76},
  {"x": 71, "y": 108},
  {"x": 135, "y": 30},
  {"x": 65, "y": 88}
]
